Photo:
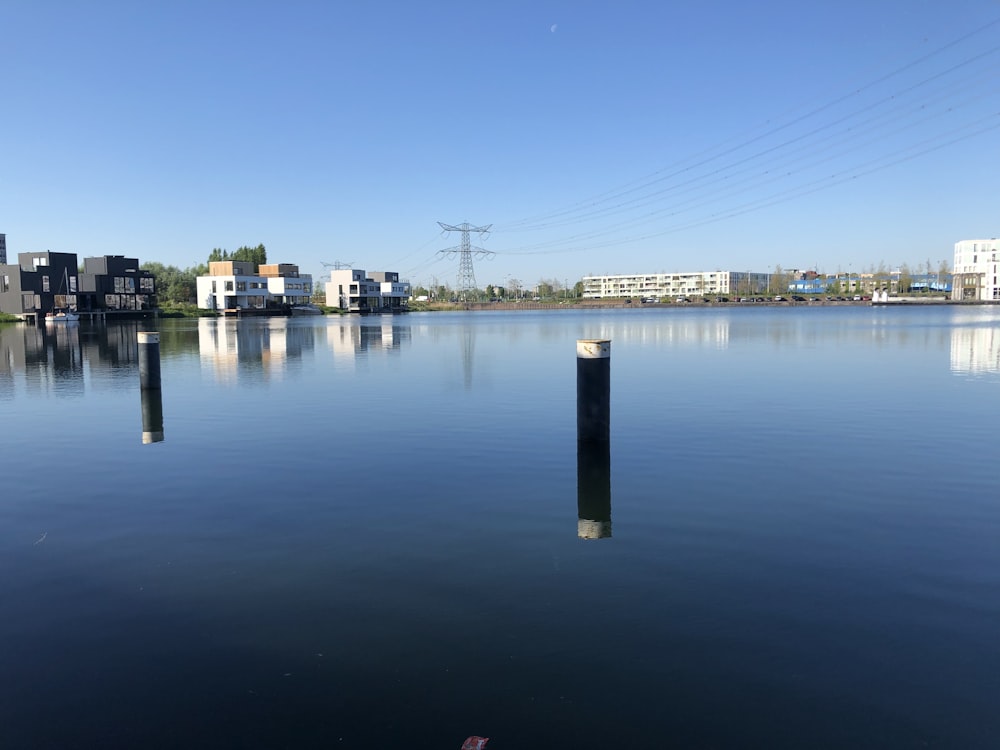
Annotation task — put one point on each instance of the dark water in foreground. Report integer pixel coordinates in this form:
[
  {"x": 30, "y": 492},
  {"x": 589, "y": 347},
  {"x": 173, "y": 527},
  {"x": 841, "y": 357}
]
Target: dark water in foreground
[{"x": 365, "y": 533}]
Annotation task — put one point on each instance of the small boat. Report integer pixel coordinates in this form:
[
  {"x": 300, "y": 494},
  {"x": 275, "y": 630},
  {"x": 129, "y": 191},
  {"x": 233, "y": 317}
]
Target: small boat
[
  {"x": 306, "y": 310},
  {"x": 61, "y": 316}
]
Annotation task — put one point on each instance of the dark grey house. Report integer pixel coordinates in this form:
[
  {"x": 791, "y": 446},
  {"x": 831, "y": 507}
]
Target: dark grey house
[
  {"x": 41, "y": 282},
  {"x": 114, "y": 282}
]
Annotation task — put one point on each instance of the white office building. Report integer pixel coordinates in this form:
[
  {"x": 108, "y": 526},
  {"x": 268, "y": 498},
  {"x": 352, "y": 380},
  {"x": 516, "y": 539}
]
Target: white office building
[
  {"x": 672, "y": 285},
  {"x": 974, "y": 275}
]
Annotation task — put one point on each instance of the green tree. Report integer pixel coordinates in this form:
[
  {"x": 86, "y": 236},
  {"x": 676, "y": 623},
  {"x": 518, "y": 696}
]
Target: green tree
[
  {"x": 173, "y": 284},
  {"x": 256, "y": 255},
  {"x": 905, "y": 279},
  {"x": 779, "y": 281}
]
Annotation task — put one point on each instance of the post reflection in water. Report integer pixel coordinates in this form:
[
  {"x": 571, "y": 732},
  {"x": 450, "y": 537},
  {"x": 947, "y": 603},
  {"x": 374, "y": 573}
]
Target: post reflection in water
[
  {"x": 593, "y": 489},
  {"x": 152, "y": 415}
]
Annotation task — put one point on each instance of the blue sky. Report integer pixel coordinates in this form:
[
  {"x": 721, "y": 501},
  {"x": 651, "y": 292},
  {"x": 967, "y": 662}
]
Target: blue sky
[{"x": 595, "y": 137}]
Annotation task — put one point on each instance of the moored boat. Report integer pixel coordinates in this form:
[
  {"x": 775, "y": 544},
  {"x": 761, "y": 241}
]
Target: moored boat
[{"x": 61, "y": 316}]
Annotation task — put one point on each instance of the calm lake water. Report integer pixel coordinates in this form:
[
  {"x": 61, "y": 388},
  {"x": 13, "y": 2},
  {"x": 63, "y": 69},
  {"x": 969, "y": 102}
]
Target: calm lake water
[{"x": 366, "y": 533}]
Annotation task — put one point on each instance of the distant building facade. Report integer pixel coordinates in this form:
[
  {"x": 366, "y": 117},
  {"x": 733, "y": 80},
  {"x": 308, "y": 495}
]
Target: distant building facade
[
  {"x": 355, "y": 290},
  {"x": 974, "y": 275},
  {"x": 234, "y": 285},
  {"x": 3, "y": 249},
  {"x": 688, "y": 284}
]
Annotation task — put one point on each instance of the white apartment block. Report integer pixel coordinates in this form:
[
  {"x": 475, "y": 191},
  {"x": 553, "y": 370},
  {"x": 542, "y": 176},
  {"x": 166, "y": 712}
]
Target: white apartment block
[
  {"x": 233, "y": 285},
  {"x": 355, "y": 290},
  {"x": 975, "y": 270},
  {"x": 660, "y": 285}
]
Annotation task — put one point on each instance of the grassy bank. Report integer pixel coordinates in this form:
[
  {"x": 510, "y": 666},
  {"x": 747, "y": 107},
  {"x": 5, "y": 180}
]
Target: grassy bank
[{"x": 173, "y": 310}]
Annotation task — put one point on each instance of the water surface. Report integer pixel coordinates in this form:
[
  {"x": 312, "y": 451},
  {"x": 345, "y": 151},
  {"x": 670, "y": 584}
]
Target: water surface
[{"x": 366, "y": 533}]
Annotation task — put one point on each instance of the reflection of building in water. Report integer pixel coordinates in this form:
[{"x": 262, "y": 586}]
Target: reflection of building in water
[
  {"x": 975, "y": 349},
  {"x": 593, "y": 489},
  {"x": 263, "y": 346},
  {"x": 42, "y": 359},
  {"x": 698, "y": 329},
  {"x": 367, "y": 336}
]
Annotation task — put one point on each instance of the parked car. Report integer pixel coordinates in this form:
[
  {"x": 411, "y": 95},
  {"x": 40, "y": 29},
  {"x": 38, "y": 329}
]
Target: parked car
[{"x": 797, "y": 298}]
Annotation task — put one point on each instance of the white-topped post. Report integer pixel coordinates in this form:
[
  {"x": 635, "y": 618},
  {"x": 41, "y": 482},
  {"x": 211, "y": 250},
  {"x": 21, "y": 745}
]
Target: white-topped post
[
  {"x": 149, "y": 359},
  {"x": 593, "y": 389}
]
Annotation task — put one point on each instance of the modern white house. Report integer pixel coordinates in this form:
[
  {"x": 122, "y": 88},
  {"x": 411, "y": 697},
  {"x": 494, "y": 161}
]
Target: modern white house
[
  {"x": 688, "y": 284},
  {"x": 356, "y": 290},
  {"x": 234, "y": 285},
  {"x": 974, "y": 274},
  {"x": 286, "y": 285}
]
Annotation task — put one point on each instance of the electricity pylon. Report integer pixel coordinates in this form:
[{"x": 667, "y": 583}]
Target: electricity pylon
[{"x": 466, "y": 276}]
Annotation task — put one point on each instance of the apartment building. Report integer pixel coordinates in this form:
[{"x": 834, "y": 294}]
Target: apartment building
[{"x": 974, "y": 275}]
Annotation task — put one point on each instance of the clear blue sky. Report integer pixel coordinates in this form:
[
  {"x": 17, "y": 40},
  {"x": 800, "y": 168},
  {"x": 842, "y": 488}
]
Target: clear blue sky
[{"x": 596, "y": 137}]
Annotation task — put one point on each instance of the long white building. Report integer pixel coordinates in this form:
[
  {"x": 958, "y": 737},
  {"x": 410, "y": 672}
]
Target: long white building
[
  {"x": 975, "y": 270},
  {"x": 692, "y": 284}
]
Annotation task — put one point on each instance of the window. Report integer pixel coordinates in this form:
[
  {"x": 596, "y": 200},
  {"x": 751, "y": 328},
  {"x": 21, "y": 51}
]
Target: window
[
  {"x": 130, "y": 285},
  {"x": 72, "y": 284},
  {"x": 45, "y": 283},
  {"x": 36, "y": 262},
  {"x": 119, "y": 284},
  {"x": 241, "y": 286},
  {"x": 146, "y": 284},
  {"x": 229, "y": 286},
  {"x": 4, "y": 284},
  {"x": 214, "y": 289}
]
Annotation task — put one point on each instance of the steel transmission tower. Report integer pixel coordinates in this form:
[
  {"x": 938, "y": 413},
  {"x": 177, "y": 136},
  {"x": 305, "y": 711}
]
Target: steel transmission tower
[{"x": 466, "y": 276}]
